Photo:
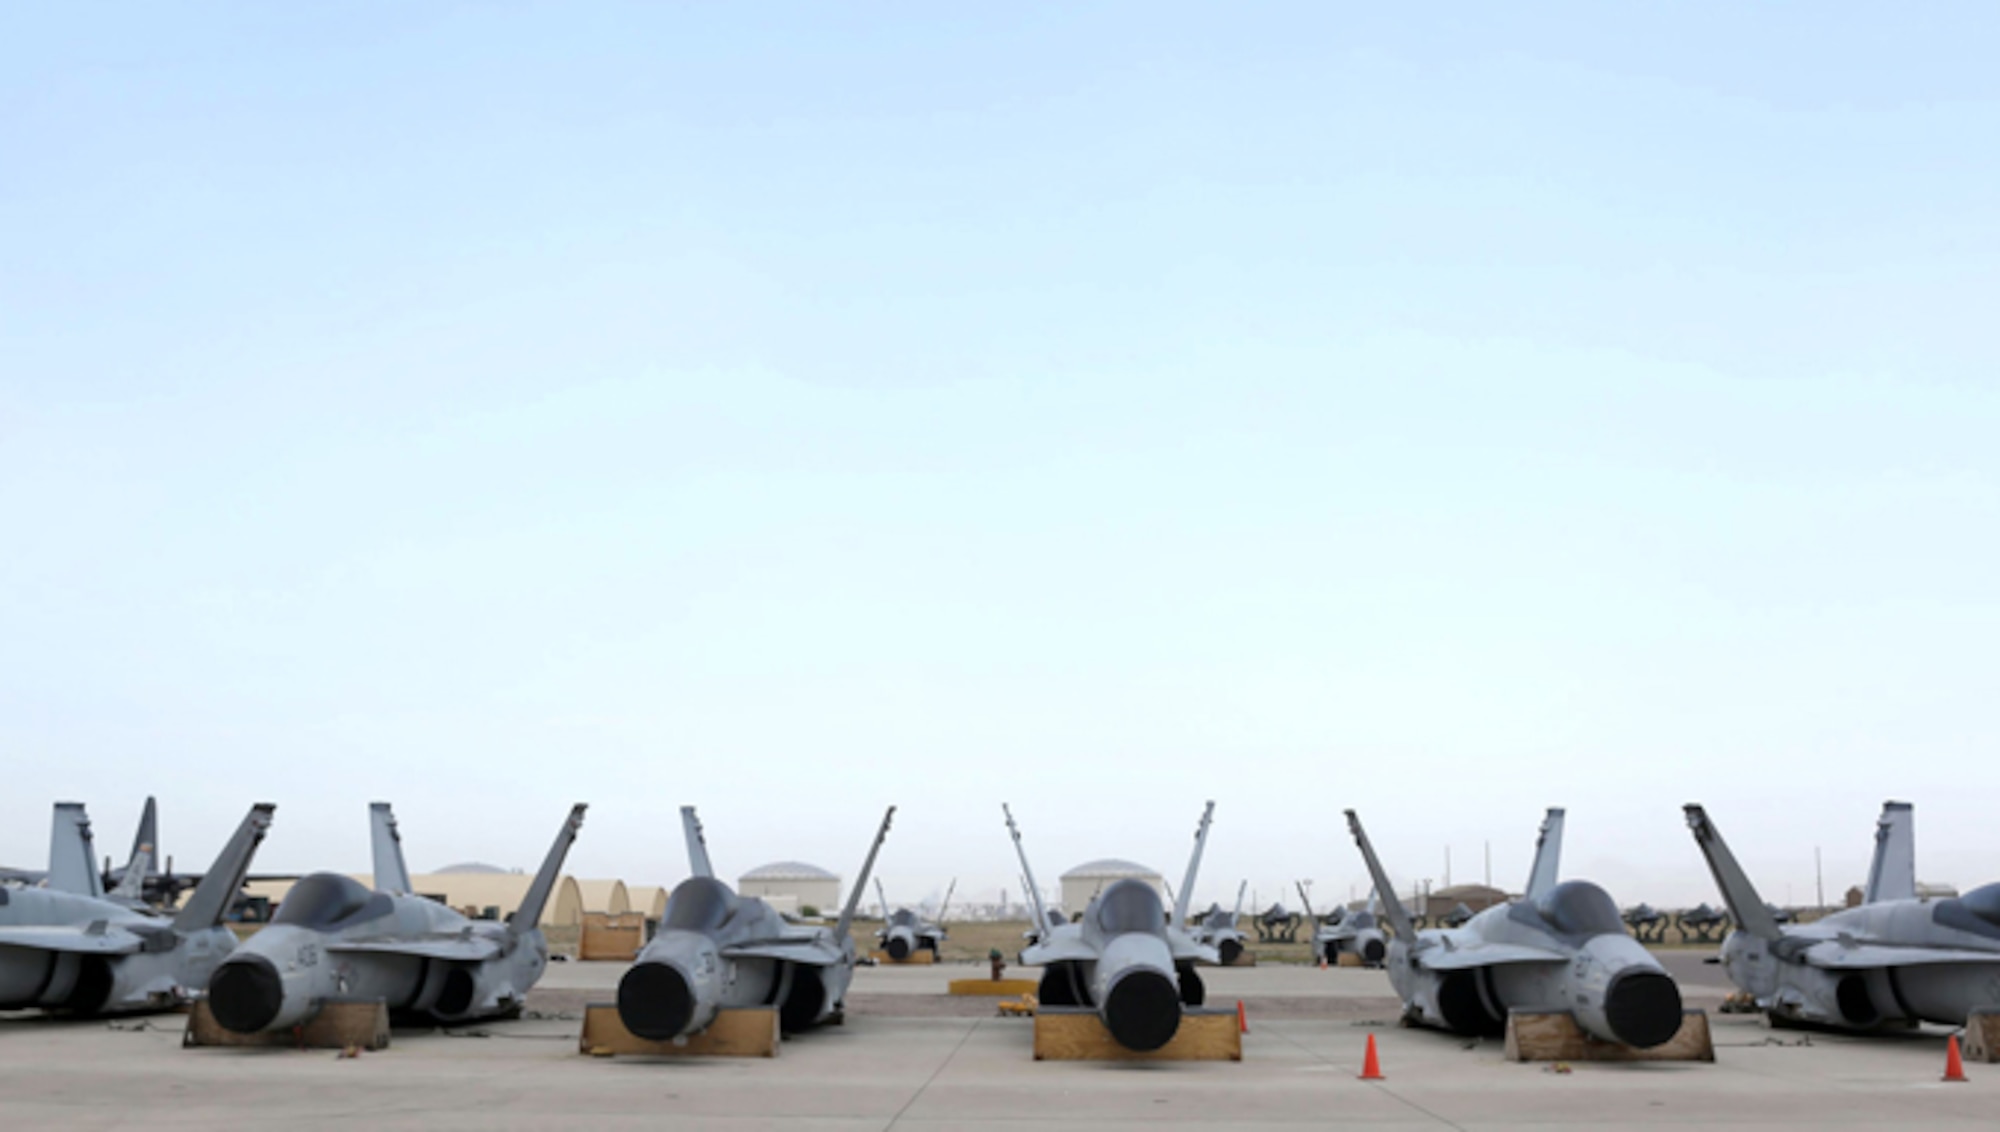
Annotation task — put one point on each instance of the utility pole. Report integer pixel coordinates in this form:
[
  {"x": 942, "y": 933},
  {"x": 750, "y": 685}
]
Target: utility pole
[
  {"x": 1489, "y": 864},
  {"x": 1819, "y": 881},
  {"x": 1447, "y": 866}
]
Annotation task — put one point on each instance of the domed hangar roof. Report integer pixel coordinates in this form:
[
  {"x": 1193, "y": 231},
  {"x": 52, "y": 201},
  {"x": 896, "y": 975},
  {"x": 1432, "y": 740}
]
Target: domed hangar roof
[
  {"x": 1109, "y": 868},
  {"x": 789, "y": 870}
]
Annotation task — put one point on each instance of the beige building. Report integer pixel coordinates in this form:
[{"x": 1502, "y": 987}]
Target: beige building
[
  {"x": 479, "y": 891},
  {"x": 1092, "y": 877},
  {"x": 793, "y": 886}
]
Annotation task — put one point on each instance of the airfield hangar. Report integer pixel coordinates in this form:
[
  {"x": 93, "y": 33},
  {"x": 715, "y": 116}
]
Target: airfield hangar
[
  {"x": 1092, "y": 877},
  {"x": 793, "y": 886}
]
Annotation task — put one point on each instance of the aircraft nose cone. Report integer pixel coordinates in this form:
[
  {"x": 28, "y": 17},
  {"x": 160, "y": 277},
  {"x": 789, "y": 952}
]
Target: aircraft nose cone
[
  {"x": 655, "y": 1001},
  {"x": 1143, "y": 1010},
  {"x": 1230, "y": 949},
  {"x": 245, "y": 994},
  {"x": 1373, "y": 951},
  {"x": 898, "y": 947},
  {"x": 1643, "y": 1007}
]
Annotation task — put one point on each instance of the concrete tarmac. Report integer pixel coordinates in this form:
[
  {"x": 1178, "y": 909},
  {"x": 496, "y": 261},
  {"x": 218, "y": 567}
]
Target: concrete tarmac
[{"x": 923, "y": 1072}]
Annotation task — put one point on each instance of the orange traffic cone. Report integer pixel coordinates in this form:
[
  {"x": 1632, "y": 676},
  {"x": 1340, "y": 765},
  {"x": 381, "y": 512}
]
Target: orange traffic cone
[
  {"x": 1954, "y": 1067},
  {"x": 1371, "y": 1065},
  {"x": 1242, "y": 1019}
]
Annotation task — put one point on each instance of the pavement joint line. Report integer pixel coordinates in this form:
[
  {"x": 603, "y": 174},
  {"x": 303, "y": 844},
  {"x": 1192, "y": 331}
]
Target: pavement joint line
[
  {"x": 1381, "y": 1086},
  {"x": 948, "y": 1058}
]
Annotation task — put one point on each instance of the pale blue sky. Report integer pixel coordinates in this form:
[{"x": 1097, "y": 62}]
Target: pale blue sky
[{"x": 795, "y": 409}]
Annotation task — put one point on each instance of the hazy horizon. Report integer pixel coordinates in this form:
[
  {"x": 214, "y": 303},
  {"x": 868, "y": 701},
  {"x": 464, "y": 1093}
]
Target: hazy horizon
[{"x": 799, "y": 409}]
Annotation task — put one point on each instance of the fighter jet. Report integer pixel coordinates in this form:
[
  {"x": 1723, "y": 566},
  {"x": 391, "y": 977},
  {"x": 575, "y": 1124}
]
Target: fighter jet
[
  {"x": 67, "y": 947},
  {"x": 716, "y": 950},
  {"x": 1561, "y": 947},
  {"x": 142, "y": 859},
  {"x": 1124, "y": 958},
  {"x": 1358, "y": 932},
  {"x": 1896, "y": 960},
  {"x": 332, "y": 938},
  {"x": 1217, "y": 928},
  {"x": 905, "y": 931}
]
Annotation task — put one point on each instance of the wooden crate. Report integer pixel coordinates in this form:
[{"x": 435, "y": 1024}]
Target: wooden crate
[
  {"x": 998, "y": 988},
  {"x": 612, "y": 935},
  {"x": 338, "y": 1025},
  {"x": 1556, "y": 1037},
  {"x": 1981, "y": 1041},
  {"x": 1348, "y": 959},
  {"x": 921, "y": 957},
  {"x": 1070, "y": 1033},
  {"x": 750, "y": 1032},
  {"x": 1244, "y": 958}
]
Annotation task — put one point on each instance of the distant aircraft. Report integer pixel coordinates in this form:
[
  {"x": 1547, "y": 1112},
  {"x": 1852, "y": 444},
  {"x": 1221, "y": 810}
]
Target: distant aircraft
[
  {"x": 1562, "y": 947},
  {"x": 716, "y": 950},
  {"x": 1896, "y": 959},
  {"x": 906, "y": 932},
  {"x": 332, "y": 938},
  {"x": 67, "y": 947},
  {"x": 143, "y": 858},
  {"x": 1217, "y": 928},
  {"x": 1125, "y": 957},
  {"x": 1358, "y": 932}
]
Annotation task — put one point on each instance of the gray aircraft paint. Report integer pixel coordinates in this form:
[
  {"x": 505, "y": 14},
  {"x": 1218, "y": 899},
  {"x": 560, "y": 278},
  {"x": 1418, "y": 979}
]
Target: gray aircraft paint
[
  {"x": 89, "y": 954},
  {"x": 1892, "y": 873},
  {"x": 905, "y": 931},
  {"x": 334, "y": 939},
  {"x": 1890, "y": 962},
  {"x": 1217, "y": 928},
  {"x": 1124, "y": 958},
  {"x": 1562, "y": 947},
  {"x": 1344, "y": 932},
  {"x": 717, "y": 950}
]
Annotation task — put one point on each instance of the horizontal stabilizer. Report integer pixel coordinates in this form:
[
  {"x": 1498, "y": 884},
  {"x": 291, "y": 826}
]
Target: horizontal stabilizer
[
  {"x": 1834, "y": 956},
  {"x": 1485, "y": 955},
  {"x": 459, "y": 948},
  {"x": 108, "y": 941}
]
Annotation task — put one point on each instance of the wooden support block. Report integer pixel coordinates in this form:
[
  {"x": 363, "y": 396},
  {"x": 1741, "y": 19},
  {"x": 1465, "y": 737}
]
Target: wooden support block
[
  {"x": 1244, "y": 958},
  {"x": 1981, "y": 1041},
  {"x": 338, "y": 1025},
  {"x": 1347, "y": 959},
  {"x": 750, "y": 1032},
  {"x": 999, "y": 988},
  {"x": 614, "y": 936},
  {"x": 1069, "y": 1033},
  {"x": 1533, "y": 1036},
  {"x": 921, "y": 957}
]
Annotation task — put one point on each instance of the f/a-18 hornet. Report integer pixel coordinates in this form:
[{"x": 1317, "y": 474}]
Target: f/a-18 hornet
[
  {"x": 334, "y": 939},
  {"x": 68, "y": 947},
  {"x": 905, "y": 931},
  {"x": 1356, "y": 931},
  {"x": 716, "y": 951},
  {"x": 1217, "y": 928},
  {"x": 1124, "y": 958},
  {"x": 1562, "y": 947},
  {"x": 1897, "y": 959}
]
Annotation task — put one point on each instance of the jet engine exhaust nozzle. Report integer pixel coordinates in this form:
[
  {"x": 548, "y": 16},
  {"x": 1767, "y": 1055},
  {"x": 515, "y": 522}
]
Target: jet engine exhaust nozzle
[
  {"x": 1643, "y": 1008},
  {"x": 655, "y": 1001},
  {"x": 1230, "y": 950},
  {"x": 898, "y": 946},
  {"x": 246, "y": 994},
  {"x": 1142, "y": 1010}
]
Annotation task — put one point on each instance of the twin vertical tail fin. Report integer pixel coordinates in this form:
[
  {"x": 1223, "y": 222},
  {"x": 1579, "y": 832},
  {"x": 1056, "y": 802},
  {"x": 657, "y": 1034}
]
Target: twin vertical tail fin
[
  {"x": 1749, "y": 910},
  {"x": 1194, "y": 866},
  {"x": 861, "y": 882},
  {"x": 72, "y": 859},
  {"x": 132, "y": 886},
  {"x": 1392, "y": 905},
  {"x": 1304, "y": 901},
  {"x": 529, "y": 915},
  {"x": 146, "y": 839},
  {"x": 1027, "y": 875},
  {"x": 220, "y": 884},
  {"x": 391, "y": 874},
  {"x": 1547, "y": 870},
  {"x": 947, "y": 899},
  {"x": 1893, "y": 873},
  {"x": 697, "y": 844},
  {"x": 883, "y": 897}
]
